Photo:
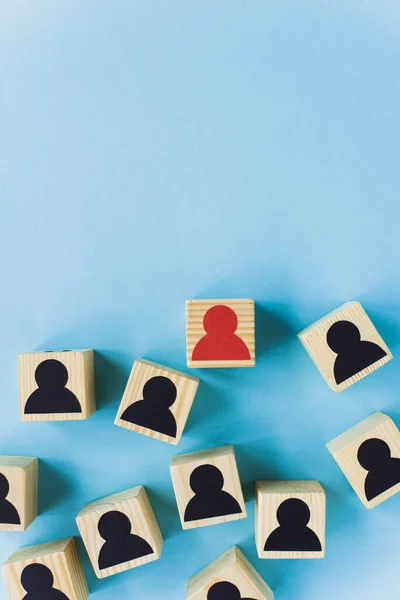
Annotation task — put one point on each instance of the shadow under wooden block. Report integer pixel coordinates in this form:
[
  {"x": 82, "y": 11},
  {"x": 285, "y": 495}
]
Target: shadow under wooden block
[
  {"x": 229, "y": 577},
  {"x": 157, "y": 401},
  {"x": 207, "y": 487},
  {"x": 18, "y": 492},
  {"x": 369, "y": 456},
  {"x": 56, "y": 386},
  {"x": 345, "y": 346},
  {"x": 50, "y": 570},
  {"x": 120, "y": 532},
  {"x": 290, "y": 519},
  {"x": 220, "y": 333}
]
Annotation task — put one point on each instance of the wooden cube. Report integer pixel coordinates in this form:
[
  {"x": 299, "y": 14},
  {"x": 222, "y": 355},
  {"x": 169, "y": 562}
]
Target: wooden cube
[
  {"x": 345, "y": 346},
  {"x": 56, "y": 386},
  {"x": 18, "y": 492},
  {"x": 220, "y": 333},
  {"x": 290, "y": 519},
  {"x": 120, "y": 532},
  {"x": 157, "y": 401},
  {"x": 231, "y": 576},
  {"x": 207, "y": 487},
  {"x": 369, "y": 456},
  {"x": 50, "y": 570}
]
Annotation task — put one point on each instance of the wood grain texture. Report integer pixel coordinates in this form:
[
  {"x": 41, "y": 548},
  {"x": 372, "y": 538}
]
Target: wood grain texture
[
  {"x": 270, "y": 495},
  {"x": 232, "y": 566},
  {"x": 22, "y": 475},
  {"x": 80, "y": 366},
  {"x": 182, "y": 467},
  {"x": 313, "y": 339},
  {"x": 186, "y": 386},
  {"x": 60, "y": 556},
  {"x": 344, "y": 450},
  {"x": 135, "y": 504},
  {"x": 195, "y": 311}
]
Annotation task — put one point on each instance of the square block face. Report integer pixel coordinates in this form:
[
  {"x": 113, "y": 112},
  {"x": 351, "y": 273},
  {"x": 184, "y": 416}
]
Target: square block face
[
  {"x": 369, "y": 456},
  {"x": 220, "y": 333},
  {"x": 54, "y": 568},
  {"x": 120, "y": 532},
  {"x": 229, "y": 576},
  {"x": 56, "y": 386},
  {"x": 282, "y": 504},
  {"x": 345, "y": 346},
  {"x": 214, "y": 471},
  {"x": 157, "y": 401},
  {"x": 18, "y": 492}
]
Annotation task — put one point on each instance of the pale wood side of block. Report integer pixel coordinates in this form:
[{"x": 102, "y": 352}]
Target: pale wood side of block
[
  {"x": 313, "y": 339},
  {"x": 345, "y": 447},
  {"x": 186, "y": 386},
  {"x": 22, "y": 475},
  {"x": 182, "y": 467},
  {"x": 134, "y": 503},
  {"x": 60, "y": 556},
  {"x": 195, "y": 311},
  {"x": 270, "y": 495},
  {"x": 80, "y": 366}
]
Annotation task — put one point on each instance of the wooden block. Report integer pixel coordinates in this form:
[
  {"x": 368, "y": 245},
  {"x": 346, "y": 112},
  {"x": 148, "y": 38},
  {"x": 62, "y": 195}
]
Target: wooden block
[
  {"x": 18, "y": 492},
  {"x": 290, "y": 519},
  {"x": 229, "y": 577},
  {"x": 207, "y": 487},
  {"x": 220, "y": 333},
  {"x": 50, "y": 570},
  {"x": 120, "y": 532},
  {"x": 56, "y": 386},
  {"x": 369, "y": 456},
  {"x": 157, "y": 401},
  {"x": 345, "y": 346}
]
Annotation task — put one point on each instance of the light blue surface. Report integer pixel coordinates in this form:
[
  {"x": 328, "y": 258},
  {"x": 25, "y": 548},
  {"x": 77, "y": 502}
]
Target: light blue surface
[{"x": 155, "y": 151}]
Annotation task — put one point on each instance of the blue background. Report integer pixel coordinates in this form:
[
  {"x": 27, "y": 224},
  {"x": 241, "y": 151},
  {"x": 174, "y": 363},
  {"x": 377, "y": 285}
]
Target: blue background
[{"x": 155, "y": 151}]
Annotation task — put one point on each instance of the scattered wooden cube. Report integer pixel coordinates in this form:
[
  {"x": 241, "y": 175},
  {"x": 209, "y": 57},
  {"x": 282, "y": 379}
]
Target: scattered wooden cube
[
  {"x": 369, "y": 456},
  {"x": 56, "y": 386},
  {"x": 120, "y": 532},
  {"x": 345, "y": 346},
  {"x": 50, "y": 570},
  {"x": 290, "y": 519},
  {"x": 229, "y": 577},
  {"x": 220, "y": 333},
  {"x": 207, "y": 487},
  {"x": 18, "y": 492},
  {"x": 157, "y": 401}
]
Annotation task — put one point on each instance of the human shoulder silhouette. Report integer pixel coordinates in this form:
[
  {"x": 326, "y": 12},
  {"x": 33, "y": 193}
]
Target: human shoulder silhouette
[
  {"x": 38, "y": 580},
  {"x": 293, "y": 534},
  {"x": 52, "y": 396},
  {"x": 8, "y": 512},
  {"x": 220, "y": 341},
  {"x": 374, "y": 456},
  {"x": 120, "y": 544}
]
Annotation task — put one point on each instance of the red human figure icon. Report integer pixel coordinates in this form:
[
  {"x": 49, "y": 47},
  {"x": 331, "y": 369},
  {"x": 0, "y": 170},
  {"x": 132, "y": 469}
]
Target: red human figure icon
[{"x": 220, "y": 342}]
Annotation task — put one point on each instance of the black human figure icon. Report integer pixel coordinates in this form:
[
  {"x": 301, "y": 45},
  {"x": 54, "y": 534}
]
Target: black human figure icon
[
  {"x": 224, "y": 590},
  {"x": 353, "y": 354},
  {"x": 8, "y": 512},
  {"x": 37, "y": 580},
  {"x": 159, "y": 393},
  {"x": 209, "y": 500},
  {"x": 52, "y": 396},
  {"x": 120, "y": 544},
  {"x": 293, "y": 535},
  {"x": 383, "y": 471}
]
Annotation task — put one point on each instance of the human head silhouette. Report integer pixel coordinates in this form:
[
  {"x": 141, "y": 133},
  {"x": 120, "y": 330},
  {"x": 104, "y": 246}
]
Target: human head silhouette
[
  {"x": 113, "y": 525},
  {"x": 373, "y": 453},
  {"x": 37, "y": 579},
  {"x": 160, "y": 390},
  {"x": 293, "y": 513},
  {"x": 223, "y": 590},
  {"x": 51, "y": 374},
  {"x": 206, "y": 479},
  {"x": 220, "y": 320},
  {"x": 4, "y": 486},
  {"x": 342, "y": 335}
]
